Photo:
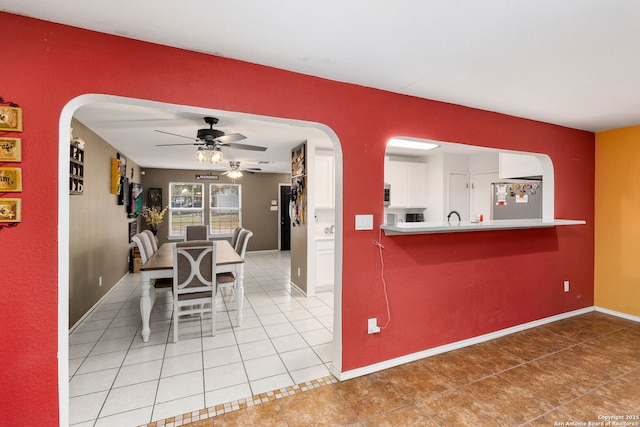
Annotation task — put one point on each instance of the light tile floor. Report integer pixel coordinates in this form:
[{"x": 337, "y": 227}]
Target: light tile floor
[{"x": 117, "y": 380}]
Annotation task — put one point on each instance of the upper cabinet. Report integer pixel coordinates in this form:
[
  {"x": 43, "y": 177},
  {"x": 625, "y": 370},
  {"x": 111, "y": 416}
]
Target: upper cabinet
[
  {"x": 408, "y": 183},
  {"x": 324, "y": 182},
  {"x": 519, "y": 165}
]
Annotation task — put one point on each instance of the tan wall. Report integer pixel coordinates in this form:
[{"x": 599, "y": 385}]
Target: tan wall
[
  {"x": 258, "y": 190},
  {"x": 98, "y": 228}
]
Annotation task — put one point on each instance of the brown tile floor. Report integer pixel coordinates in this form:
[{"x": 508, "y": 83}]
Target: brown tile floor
[{"x": 575, "y": 370}]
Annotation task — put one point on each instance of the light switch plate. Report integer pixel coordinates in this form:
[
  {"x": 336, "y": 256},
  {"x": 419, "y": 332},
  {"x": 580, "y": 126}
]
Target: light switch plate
[{"x": 364, "y": 222}]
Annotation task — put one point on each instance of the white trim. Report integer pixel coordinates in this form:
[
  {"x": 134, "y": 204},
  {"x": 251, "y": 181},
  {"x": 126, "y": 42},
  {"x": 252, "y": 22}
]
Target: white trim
[
  {"x": 618, "y": 314},
  {"x": 365, "y": 370}
]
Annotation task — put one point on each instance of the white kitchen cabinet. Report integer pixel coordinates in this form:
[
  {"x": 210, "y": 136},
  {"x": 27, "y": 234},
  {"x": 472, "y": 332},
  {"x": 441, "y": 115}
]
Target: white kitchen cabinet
[
  {"x": 519, "y": 165},
  {"x": 325, "y": 254},
  {"x": 408, "y": 184},
  {"x": 324, "y": 182}
]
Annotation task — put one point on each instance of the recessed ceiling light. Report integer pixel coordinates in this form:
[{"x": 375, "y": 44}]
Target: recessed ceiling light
[{"x": 407, "y": 143}]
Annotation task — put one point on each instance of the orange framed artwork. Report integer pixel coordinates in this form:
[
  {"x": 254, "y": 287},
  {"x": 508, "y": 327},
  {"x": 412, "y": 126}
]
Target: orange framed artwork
[
  {"x": 10, "y": 119},
  {"x": 10, "y": 210},
  {"x": 10, "y": 180},
  {"x": 10, "y": 150}
]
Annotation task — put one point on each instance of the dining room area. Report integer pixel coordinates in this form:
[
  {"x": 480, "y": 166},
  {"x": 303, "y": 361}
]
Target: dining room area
[
  {"x": 282, "y": 347},
  {"x": 132, "y": 359}
]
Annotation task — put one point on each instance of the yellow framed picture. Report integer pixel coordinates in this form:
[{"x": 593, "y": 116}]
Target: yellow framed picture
[
  {"x": 10, "y": 119},
  {"x": 10, "y": 150},
  {"x": 10, "y": 180},
  {"x": 10, "y": 210}
]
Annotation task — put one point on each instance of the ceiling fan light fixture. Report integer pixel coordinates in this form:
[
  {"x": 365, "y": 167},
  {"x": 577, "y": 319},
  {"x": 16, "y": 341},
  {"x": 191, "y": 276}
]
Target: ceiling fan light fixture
[
  {"x": 216, "y": 156},
  {"x": 200, "y": 155},
  {"x": 235, "y": 174}
]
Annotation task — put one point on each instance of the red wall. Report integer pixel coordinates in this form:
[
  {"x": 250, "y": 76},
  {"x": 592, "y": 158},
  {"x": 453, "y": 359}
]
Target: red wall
[{"x": 442, "y": 288}]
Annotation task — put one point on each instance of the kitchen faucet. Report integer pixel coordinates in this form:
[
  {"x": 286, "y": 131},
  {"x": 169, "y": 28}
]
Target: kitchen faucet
[{"x": 452, "y": 213}]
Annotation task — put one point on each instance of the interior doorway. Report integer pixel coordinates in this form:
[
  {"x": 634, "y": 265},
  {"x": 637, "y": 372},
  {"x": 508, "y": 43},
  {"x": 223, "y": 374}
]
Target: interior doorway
[
  {"x": 284, "y": 226},
  {"x": 459, "y": 194},
  {"x": 63, "y": 226}
]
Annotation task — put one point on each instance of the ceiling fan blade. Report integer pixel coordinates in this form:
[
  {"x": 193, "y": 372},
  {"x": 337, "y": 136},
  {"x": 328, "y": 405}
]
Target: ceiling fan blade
[
  {"x": 245, "y": 147},
  {"x": 180, "y": 145},
  {"x": 175, "y": 134},
  {"x": 252, "y": 169},
  {"x": 232, "y": 137}
]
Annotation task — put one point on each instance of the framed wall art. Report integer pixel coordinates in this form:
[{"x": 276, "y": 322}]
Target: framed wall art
[
  {"x": 10, "y": 119},
  {"x": 10, "y": 150},
  {"x": 10, "y": 210},
  {"x": 298, "y": 161},
  {"x": 155, "y": 198},
  {"x": 10, "y": 180}
]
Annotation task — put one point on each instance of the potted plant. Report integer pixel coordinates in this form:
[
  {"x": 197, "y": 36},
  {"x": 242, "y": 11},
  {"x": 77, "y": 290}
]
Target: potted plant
[{"x": 153, "y": 217}]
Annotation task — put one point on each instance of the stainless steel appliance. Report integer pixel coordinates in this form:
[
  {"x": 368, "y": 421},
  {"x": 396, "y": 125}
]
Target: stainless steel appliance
[
  {"x": 516, "y": 199},
  {"x": 414, "y": 217}
]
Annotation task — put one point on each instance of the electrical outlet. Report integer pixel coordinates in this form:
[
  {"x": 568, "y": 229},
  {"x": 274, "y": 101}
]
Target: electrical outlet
[
  {"x": 100, "y": 281},
  {"x": 372, "y": 326},
  {"x": 566, "y": 286}
]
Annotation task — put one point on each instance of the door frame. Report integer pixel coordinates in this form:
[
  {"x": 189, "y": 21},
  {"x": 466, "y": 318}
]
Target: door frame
[{"x": 64, "y": 133}]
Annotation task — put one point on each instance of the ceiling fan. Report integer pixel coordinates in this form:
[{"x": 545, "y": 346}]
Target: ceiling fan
[
  {"x": 236, "y": 172},
  {"x": 213, "y": 140}
]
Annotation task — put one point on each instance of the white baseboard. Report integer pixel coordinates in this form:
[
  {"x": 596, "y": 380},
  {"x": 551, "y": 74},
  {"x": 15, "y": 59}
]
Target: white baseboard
[
  {"x": 84, "y": 316},
  {"x": 365, "y": 370},
  {"x": 618, "y": 314}
]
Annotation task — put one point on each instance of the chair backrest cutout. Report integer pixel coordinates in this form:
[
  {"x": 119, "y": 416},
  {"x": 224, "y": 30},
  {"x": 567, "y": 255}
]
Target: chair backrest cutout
[{"x": 194, "y": 266}]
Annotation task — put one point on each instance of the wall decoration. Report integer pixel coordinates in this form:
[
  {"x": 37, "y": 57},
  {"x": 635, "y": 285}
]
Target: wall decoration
[
  {"x": 10, "y": 210},
  {"x": 115, "y": 176},
  {"x": 124, "y": 195},
  {"x": 10, "y": 180},
  {"x": 298, "y": 161},
  {"x": 155, "y": 198},
  {"x": 298, "y": 187},
  {"x": 135, "y": 207},
  {"x": 10, "y": 118},
  {"x": 133, "y": 229},
  {"x": 76, "y": 168},
  {"x": 10, "y": 150}
]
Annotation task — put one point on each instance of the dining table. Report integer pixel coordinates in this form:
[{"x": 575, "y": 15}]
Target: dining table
[{"x": 160, "y": 266}]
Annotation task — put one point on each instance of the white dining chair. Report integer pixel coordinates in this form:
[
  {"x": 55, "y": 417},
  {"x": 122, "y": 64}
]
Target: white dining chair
[
  {"x": 196, "y": 232},
  {"x": 194, "y": 281},
  {"x": 234, "y": 237},
  {"x": 228, "y": 280},
  {"x": 152, "y": 239},
  {"x": 142, "y": 248}
]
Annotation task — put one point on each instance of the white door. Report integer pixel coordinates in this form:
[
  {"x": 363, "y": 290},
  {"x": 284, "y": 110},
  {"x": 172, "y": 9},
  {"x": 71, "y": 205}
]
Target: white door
[
  {"x": 481, "y": 193},
  {"x": 459, "y": 194}
]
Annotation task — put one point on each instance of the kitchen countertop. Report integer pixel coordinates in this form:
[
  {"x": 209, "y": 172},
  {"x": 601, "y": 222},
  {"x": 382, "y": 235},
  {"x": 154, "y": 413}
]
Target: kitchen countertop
[{"x": 466, "y": 226}]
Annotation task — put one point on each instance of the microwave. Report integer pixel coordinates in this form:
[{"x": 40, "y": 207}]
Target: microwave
[
  {"x": 414, "y": 217},
  {"x": 387, "y": 194}
]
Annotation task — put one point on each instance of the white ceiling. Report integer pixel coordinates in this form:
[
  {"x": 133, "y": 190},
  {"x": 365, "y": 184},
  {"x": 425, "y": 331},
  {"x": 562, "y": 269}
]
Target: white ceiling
[
  {"x": 574, "y": 63},
  {"x": 130, "y": 126}
]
